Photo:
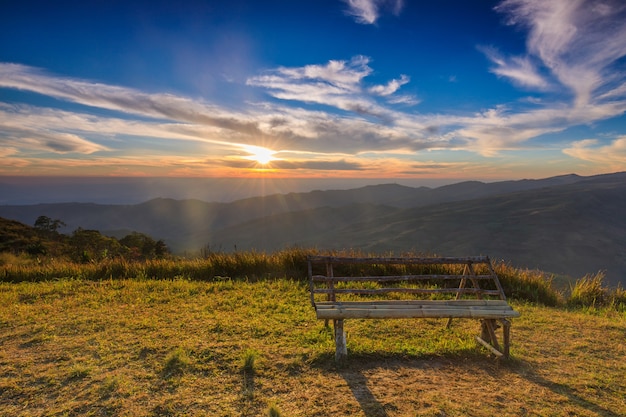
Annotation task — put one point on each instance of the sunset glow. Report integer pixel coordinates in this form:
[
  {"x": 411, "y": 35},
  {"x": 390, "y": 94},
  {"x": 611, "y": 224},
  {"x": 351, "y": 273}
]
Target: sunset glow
[{"x": 389, "y": 89}]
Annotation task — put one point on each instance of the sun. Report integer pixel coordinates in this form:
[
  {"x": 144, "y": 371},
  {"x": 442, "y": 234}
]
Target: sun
[{"x": 260, "y": 155}]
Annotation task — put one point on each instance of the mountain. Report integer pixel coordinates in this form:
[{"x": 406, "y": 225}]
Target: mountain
[
  {"x": 568, "y": 224},
  {"x": 572, "y": 229}
]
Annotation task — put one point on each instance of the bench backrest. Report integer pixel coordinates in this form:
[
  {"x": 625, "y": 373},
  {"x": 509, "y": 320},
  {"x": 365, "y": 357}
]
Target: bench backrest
[{"x": 332, "y": 277}]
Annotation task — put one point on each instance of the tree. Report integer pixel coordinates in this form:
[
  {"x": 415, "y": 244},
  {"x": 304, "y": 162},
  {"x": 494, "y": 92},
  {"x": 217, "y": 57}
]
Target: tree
[
  {"x": 161, "y": 250},
  {"x": 143, "y": 246},
  {"x": 47, "y": 225},
  {"x": 90, "y": 245}
]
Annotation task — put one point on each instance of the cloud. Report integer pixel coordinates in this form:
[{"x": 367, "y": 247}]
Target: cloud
[
  {"x": 403, "y": 99},
  {"x": 577, "y": 42},
  {"x": 17, "y": 133},
  {"x": 292, "y": 165},
  {"x": 338, "y": 84},
  {"x": 368, "y": 11},
  {"x": 28, "y": 122},
  {"x": 7, "y": 151},
  {"x": 391, "y": 87},
  {"x": 520, "y": 70},
  {"x": 612, "y": 155},
  {"x": 338, "y": 165},
  {"x": 122, "y": 99}
]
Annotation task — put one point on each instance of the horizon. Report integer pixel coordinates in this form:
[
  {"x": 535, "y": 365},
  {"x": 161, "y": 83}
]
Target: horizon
[
  {"x": 332, "y": 89},
  {"x": 32, "y": 190},
  {"x": 18, "y": 190}
]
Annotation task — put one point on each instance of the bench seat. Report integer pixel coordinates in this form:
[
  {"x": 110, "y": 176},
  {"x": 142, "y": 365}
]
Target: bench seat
[{"x": 475, "y": 309}]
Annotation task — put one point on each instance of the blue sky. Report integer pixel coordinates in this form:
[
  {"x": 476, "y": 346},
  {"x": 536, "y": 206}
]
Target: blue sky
[{"x": 313, "y": 89}]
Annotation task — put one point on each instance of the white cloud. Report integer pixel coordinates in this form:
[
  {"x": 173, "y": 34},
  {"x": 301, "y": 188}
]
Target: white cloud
[
  {"x": 391, "y": 87},
  {"x": 404, "y": 99},
  {"x": 18, "y": 132},
  {"x": 338, "y": 84},
  {"x": 612, "y": 156},
  {"x": 368, "y": 11},
  {"x": 577, "y": 41},
  {"x": 334, "y": 78},
  {"x": 122, "y": 99},
  {"x": 519, "y": 69}
]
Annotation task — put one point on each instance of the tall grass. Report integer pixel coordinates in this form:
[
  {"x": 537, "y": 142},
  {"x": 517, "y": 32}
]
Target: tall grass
[
  {"x": 238, "y": 265},
  {"x": 590, "y": 291},
  {"x": 528, "y": 285},
  {"x": 519, "y": 284}
]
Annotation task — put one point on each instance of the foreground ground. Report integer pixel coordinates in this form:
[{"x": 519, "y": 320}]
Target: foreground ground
[{"x": 180, "y": 348}]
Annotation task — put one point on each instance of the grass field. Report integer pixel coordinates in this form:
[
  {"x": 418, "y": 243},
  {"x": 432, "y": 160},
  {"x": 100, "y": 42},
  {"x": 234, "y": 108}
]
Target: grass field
[{"x": 140, "y": 347}]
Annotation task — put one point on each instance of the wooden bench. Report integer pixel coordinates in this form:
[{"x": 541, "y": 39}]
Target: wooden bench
[{"x": 385, "y": 288}]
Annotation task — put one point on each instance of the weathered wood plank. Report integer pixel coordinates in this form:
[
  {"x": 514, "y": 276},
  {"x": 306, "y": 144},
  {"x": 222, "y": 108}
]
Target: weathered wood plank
[
  {"x": 383, "y": 278},
  {"x": 400, "y": 260},
  {"x": 369, "y": 313},
  {"x": 489, "y": 347},
  {"x": 462, "y": 302},
  {"x": 375, "y": 291}
]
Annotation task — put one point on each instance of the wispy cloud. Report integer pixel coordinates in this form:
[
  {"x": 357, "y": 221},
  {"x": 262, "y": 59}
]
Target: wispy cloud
[
  {"x": 612, "y": 155},
  {"x": 298, "y": 165},
  {"x": 368, "y": 11},
  {"x": 520, "y": 70},
  {"x": 123, "y": 99},
  {"x": 391, "y": 87},
  {"x": 576, "y": 42},
  {"x": 338, "y": 84},
  {"x": 17, "y": 131}
]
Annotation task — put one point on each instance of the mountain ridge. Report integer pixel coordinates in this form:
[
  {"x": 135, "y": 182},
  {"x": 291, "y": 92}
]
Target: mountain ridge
[{"x": 567, "y": 224}]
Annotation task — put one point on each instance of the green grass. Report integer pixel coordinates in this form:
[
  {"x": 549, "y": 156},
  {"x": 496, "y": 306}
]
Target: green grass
[
  {"x": 235, "y": 347},
  {"x": 234, "y": 334}
]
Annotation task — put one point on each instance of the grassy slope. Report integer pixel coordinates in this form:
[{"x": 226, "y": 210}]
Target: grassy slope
[{"x": 147, "y": 348}]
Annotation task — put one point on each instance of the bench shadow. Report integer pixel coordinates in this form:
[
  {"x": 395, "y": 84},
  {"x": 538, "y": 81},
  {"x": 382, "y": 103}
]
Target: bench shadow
[
  {"x": 357, "y": 382},
  {"x": 526, "y": 371},
  {"x": 355, "y": 368}
]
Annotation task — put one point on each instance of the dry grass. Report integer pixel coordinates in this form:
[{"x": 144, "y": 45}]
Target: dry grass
[{"x": 181, "y": 348}]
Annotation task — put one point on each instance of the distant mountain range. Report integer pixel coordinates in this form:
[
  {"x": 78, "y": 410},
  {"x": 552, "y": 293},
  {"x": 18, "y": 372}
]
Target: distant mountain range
[{"x": 568, "y": 225}]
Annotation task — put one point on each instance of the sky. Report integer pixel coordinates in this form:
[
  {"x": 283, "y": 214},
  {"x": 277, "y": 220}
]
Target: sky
[{"x": 328, "y": 89}]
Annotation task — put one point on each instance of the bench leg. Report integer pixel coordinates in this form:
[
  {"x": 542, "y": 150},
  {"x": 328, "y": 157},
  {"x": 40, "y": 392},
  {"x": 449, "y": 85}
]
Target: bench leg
[
  {"x": 489, "y": 339},
  {"x": 341, "y": 349},
  {"x": 506, "y": 336}
]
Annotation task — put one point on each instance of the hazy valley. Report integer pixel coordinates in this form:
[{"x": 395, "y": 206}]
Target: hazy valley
[{"x": 566, "y": 225}]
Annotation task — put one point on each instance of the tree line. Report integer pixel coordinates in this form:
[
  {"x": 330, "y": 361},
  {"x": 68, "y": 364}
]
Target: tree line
[{"x": 84, "y": 245}]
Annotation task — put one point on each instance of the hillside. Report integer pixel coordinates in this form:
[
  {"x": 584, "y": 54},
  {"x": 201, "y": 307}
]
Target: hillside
[
  {"x": 16, "y": 236},
  {"x": 571, "y": 229},
  {"x": 568, "y": 225}
]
